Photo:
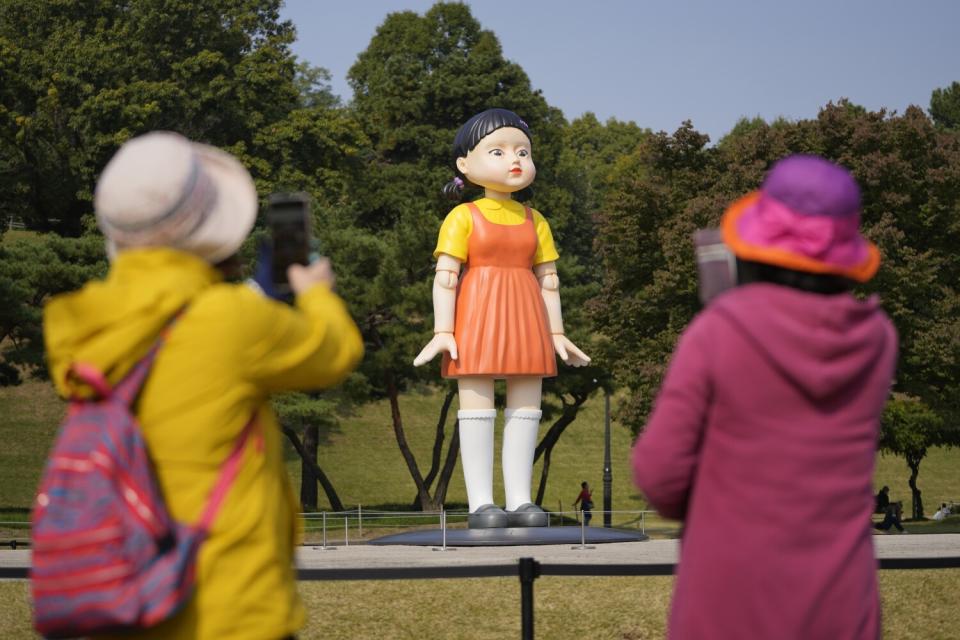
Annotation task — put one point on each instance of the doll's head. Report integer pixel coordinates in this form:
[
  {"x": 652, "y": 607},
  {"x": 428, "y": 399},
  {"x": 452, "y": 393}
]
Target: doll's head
[{"x": 503, "y": 138}]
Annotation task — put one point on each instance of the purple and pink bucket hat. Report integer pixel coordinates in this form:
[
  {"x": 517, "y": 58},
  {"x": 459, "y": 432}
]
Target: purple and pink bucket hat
[{"x": 805, "y": 217}]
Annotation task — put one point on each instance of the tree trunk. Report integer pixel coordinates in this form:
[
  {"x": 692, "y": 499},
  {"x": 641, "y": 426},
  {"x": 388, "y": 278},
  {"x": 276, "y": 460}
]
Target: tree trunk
[
  {"x": 308, "y": 480},
  {"x": 437, "y": 451},
  {"x": 332, "y": 496},
  {"x": 440, "y": 495},
  {"x": 550, "y": 439},
  {"x": 438, "y": 439},
  {"x": 422, "y": 495},
  {"x": 914, "y": 464},
  {"x": 544, "y": 471}
]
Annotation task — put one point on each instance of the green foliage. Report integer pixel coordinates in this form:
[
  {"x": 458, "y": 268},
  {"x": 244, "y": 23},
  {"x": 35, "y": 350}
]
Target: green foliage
[
  {"x": 419, "y": 79},
  {"x": 657, "y": 197},
  {"x": 945, "y": 106},
  {"x": 33, "y": 268},
  {"x": 299, "y": 410},
  {"x": 909, "y": 172},
  {"x": 909, "y": 428},
  {"x": 217, "y": 72}
]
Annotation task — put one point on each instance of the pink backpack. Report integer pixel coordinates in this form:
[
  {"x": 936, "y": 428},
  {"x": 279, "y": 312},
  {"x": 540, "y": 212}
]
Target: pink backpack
[{"x": 106, "y": 554}]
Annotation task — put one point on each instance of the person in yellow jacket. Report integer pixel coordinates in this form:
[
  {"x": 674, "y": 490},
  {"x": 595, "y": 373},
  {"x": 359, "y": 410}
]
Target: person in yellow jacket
[{"x": 172, "y": 210}]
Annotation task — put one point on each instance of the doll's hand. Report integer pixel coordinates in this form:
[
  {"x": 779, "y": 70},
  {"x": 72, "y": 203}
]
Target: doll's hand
[
  {"x": 441, "y": 342},
  {"x": 569, "y": 352}
]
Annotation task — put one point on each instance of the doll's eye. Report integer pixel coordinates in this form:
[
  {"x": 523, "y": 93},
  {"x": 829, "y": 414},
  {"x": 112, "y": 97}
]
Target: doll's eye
[
  {"x": 523, "y": 153},
  {"x": 496, "y": 152}
]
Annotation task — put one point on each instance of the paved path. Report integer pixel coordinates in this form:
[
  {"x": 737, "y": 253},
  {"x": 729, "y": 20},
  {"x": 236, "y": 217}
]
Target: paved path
[{"x": 647, "y": 552}]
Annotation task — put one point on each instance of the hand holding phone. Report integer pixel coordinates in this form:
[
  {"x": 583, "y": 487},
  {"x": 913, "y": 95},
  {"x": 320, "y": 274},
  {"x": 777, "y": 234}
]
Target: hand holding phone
[
  {"x": 716, "y": 264},
  {"x": 291, "y": 239},
  {"x": 317, "y": 272}
]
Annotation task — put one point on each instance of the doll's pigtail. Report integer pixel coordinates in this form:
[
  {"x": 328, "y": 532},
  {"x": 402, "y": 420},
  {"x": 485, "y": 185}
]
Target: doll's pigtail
[{"x": 453, "y": 190}]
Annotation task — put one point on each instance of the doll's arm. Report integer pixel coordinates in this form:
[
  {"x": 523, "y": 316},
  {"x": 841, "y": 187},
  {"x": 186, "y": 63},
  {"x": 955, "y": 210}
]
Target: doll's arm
[
  {"x": 546, "y": 273},
  {"x": 444, "y": 309}
]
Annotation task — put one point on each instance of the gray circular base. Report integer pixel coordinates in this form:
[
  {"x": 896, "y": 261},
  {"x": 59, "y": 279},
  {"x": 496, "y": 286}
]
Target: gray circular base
[{"x": 513, "y": 536}]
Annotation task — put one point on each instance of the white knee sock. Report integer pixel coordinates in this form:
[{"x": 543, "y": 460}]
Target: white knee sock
[
  {"x": 519, "y": 443},
  {"x": 476, "y": 455}
]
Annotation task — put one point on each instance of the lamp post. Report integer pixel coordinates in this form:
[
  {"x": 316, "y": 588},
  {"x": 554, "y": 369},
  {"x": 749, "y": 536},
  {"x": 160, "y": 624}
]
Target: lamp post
[{"x": 607, "y": 471}]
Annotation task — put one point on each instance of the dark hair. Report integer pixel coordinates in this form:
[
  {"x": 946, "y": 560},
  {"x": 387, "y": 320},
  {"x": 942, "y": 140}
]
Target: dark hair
[
  {"x": 469, "y": 136},
  {"x": 822, "y": 283},
  {"x": 584, "y": 484}
]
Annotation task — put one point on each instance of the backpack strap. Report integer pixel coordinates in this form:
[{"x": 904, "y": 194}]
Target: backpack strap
[
  {"x": 228, "y": 473},
  {"x": 128, "y": 389}
]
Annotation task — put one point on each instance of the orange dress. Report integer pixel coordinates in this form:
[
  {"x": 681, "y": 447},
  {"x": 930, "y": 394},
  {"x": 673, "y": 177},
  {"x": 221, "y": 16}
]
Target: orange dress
[{"x": 501, "y": 325}]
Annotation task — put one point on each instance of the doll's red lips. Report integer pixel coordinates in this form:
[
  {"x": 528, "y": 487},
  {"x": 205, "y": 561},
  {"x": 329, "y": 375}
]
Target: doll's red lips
[{"x": 516, "y": 171}]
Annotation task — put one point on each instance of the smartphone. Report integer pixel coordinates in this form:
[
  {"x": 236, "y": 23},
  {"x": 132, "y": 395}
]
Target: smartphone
[
  {"x": 291, "y": 237},
  {"x": 716, "y": 264}
]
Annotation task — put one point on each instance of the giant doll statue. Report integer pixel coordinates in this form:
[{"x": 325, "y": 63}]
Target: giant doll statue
[{"x": 496, "y": 304}]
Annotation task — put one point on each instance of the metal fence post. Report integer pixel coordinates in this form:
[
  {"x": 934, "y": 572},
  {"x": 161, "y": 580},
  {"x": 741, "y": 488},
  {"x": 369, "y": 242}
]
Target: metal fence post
[
  {"x": 529, "y": 571},
  {"x": 443, "y": 532},
  {"x": 346, "y": 531},
  {"x": 360, "y": 519},
  {"x": 325, "y": 546},
  {"x": 583, "y": 537}
]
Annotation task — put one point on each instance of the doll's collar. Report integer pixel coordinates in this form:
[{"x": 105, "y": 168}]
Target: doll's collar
[{"x": 491, "y": 204}]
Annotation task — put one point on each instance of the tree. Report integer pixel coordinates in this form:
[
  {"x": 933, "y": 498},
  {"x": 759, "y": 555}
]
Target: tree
[
  {"x": 945, "y": 106},
  {"x": 908, "y": 429},
  {"x": 909, "y": 173},
  {"x": 217, "y": 72},
  {"x": 419, "y": 79},
  {"x": 568, "y": 394},
  {"x": 32, "y": 268},
  {"x": 657, "y": 196},
  {"x": 305, "y": 420}
]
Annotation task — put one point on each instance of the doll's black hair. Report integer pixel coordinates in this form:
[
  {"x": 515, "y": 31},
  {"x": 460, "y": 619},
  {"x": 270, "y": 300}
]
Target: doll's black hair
[{"x": 469, "y": 136}]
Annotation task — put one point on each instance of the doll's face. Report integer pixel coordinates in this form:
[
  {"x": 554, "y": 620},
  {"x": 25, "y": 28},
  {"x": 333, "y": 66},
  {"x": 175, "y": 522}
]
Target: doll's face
[{"x": 501, "y": 162}]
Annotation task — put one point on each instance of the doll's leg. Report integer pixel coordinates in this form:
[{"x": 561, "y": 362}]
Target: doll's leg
[
  {"x": 476, "y": 416},
  {"x": 519, "y": 443}
]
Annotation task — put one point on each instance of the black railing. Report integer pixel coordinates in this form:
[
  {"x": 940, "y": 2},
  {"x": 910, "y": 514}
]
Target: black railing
[{"x": 528, "y": 570}]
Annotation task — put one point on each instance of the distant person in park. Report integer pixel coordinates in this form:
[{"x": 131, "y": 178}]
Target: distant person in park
[
  {"x": 585, "y": 499},
  {"x": 892, "y": 517},
  {"x": 763, "y": 436},
  {"x": 883, "y": 500},
  {"x": 942, "y": 512},
  {"x": 172, "y": 211}
]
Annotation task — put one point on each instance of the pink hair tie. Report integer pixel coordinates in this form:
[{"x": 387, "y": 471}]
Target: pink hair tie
[{"x": 457, "y": 181}]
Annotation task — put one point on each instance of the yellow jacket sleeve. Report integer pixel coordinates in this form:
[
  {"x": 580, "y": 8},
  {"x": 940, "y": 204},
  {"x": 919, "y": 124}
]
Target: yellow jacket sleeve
[{"x": 311, "y": 346}]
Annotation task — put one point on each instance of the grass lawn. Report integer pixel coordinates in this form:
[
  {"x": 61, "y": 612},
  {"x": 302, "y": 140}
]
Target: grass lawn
[
  {"x": 362, "y": 459},
  {"x": 633, "y": 608}
]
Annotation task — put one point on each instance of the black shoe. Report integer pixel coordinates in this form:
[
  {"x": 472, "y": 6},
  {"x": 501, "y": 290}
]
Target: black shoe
[
  {"x": 527, "y": 515},
  {"x": 488, "y": 516}
]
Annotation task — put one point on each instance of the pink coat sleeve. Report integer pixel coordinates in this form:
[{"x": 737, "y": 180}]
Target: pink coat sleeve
[{"x": 666, "y": 453}]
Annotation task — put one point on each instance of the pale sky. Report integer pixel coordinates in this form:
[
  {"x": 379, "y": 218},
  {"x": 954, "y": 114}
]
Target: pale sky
[{"x": 661, "y": 62}]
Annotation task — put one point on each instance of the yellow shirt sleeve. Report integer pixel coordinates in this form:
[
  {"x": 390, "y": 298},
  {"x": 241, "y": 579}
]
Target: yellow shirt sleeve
[
  {"x": 546, "y": 250},
  {"x": 454, "y": 233}
]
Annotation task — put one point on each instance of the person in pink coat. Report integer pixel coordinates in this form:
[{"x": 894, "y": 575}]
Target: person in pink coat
[{"x": 764, "y": 434}]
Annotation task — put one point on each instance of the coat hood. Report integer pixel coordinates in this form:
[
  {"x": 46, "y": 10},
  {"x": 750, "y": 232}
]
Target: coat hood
[
  {"x": 112, "y": 323},
  {"x": 819, "y": 343}
]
